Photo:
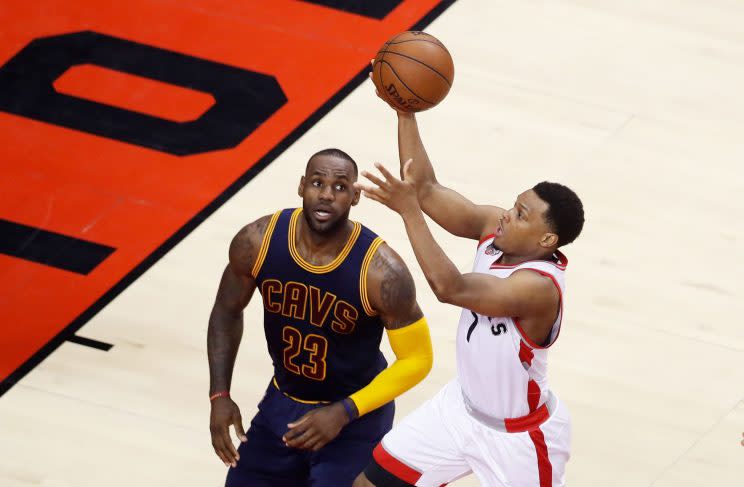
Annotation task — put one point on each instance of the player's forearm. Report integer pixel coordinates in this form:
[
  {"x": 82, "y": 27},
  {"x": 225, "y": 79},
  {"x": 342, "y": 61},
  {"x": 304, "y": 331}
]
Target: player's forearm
[
  {"x": 223, "y": 339},
  {"x": 410, "y": 146},
  {"x": 452, "y": 211},
  {"x": 448, "y": 208},
  {"x": 413, "y": 351},
  {"x": 441, "y": 273}
]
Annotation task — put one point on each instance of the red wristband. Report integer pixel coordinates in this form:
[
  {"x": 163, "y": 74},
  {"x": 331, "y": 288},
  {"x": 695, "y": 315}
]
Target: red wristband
[{"x": 219, "y": 394}]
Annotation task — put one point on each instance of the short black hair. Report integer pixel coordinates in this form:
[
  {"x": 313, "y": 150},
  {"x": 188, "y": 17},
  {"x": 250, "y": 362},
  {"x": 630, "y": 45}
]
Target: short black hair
[
  {"x": 565, "y": 213},
  {"x": 333, "y": 152}
]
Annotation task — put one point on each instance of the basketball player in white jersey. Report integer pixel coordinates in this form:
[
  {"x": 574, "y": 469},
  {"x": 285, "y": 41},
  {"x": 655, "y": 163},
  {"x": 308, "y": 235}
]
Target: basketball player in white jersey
[{"x": 498, "y": 419}]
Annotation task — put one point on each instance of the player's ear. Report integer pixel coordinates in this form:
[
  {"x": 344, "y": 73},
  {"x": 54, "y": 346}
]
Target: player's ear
[
  {"x": 301, "y": 188},
  {"x": 549, "y": 240},
  {"x": 357, "y": 195}
]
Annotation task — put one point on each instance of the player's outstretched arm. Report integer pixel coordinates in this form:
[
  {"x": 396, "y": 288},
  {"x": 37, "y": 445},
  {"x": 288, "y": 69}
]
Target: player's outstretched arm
[
  {"x": 223, "y": 337},
  {"x": 451, "y": 210},
  {"x": 392, "y": 294},
  {"x": 526, "y": 294}
]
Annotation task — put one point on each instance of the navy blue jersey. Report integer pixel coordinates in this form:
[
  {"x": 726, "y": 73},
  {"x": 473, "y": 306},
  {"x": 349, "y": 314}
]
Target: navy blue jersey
[{"x": 322, "y": 334}]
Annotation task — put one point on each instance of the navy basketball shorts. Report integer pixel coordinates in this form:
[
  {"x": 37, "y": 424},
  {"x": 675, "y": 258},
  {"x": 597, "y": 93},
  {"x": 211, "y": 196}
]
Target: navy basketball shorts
[{"x": 265, "y": 461}]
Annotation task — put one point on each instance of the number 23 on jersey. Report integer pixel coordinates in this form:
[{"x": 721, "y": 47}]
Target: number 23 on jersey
[{"x": 315, "y": 345}]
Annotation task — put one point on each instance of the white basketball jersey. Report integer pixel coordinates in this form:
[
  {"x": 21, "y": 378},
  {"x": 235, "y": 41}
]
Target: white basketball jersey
[{"x": 503, "y": 374}]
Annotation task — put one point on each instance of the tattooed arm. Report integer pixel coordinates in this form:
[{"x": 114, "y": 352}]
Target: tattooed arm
[
  {"x": 224, "y": 333},
  {"x": 392, "y": 294}
]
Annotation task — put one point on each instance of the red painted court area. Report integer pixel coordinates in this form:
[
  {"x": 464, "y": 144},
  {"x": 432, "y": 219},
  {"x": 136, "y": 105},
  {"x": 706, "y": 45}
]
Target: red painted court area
[{"x": 123, "y": 125}]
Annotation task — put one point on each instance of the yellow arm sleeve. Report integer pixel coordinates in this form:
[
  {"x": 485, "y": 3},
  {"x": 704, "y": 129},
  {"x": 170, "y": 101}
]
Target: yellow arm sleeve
[{"x": 412, "y": 347}]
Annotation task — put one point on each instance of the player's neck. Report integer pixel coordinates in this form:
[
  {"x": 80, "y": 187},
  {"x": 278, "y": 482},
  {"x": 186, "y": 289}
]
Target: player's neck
[
  {"x": 312, "y": 244},
  {"x": 513, "y": 259}
]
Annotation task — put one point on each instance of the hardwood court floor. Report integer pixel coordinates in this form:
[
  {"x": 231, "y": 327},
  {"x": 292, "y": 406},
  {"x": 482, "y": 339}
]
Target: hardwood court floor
[{"x": 637, "y": 105}]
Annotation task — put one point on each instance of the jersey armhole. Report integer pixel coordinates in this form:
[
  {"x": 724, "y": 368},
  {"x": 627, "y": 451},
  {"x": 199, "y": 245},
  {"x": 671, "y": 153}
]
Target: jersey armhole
[
  {"x": 363, "y": 276},
  {"x": 549, "y": 342},
  {"x": 265, "y": 241}
]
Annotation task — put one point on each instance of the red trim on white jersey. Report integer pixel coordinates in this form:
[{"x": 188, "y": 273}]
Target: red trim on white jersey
[
  {"x": 484, "y": 239},
  {"x": 560, "y": 307},
  {"x": 560, "y": 264},
  {"x": 544, "y": 467},
  {"x": 525, "y": 353},
  {"x": 530, "y": 422},
  {"x": 533, "y": 395}
]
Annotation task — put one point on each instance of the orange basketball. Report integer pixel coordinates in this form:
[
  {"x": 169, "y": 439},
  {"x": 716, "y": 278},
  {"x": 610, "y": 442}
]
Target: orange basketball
[{"x": 413, "y": 71}]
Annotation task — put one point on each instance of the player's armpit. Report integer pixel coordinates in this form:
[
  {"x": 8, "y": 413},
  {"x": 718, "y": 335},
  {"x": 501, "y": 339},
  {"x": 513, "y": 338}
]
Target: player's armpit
[{"x": 412, "y": 347}]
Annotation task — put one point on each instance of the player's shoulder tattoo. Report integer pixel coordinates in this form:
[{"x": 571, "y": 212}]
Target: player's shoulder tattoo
[
  {"x": 246, "y": 243},
  {"x": 396, "y": 289}
]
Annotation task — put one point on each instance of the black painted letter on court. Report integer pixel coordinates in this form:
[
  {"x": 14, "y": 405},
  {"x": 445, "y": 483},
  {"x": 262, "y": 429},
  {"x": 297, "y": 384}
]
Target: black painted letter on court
[{"x": 244, "y": 99}]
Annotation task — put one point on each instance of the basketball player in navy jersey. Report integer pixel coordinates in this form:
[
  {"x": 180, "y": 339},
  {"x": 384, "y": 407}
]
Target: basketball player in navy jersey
[{"x": 329, "y": 287}]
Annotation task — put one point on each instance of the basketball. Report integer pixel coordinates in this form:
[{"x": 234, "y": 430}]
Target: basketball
[{"x": 413, "y": 71}]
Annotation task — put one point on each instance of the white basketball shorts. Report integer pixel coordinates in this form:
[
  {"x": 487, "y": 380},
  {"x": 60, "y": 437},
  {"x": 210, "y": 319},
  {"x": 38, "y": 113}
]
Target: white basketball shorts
[{"x": 442, "y": 441}]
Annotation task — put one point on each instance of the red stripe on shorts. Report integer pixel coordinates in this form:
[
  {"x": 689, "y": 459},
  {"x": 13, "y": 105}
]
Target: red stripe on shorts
[
  {"x": 544, "y": 467},
  {"x": 395, "y": 466}
]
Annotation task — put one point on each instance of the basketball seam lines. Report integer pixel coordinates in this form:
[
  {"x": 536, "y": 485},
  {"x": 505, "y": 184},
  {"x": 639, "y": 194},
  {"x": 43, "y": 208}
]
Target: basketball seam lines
[
  {"x": 403, "y": 82},
  {"x": 439, "y": 44},
  {"x": 399, "y": 35},
  {"x": 420, "y": 62}
]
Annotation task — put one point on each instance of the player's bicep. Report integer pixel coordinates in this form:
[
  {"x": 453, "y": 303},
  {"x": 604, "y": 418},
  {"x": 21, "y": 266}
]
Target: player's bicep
[
  {"x": 458, "y": 215},
  {"x": 238, "y": 282},
  {"x": 392, "y": 291},
  {"x": 522, "y": 294},
  {"x": 244, "y": 247},
  {"x": 235, "y": 291}
]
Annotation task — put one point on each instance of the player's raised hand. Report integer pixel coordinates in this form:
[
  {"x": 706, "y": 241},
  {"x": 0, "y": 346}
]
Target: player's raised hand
[
  {"x": 398, "y": 195},
  {"x": 380, "y": 96},
  {"x": 224, "y": 414},
  {"x": 377, "y": 91}
]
